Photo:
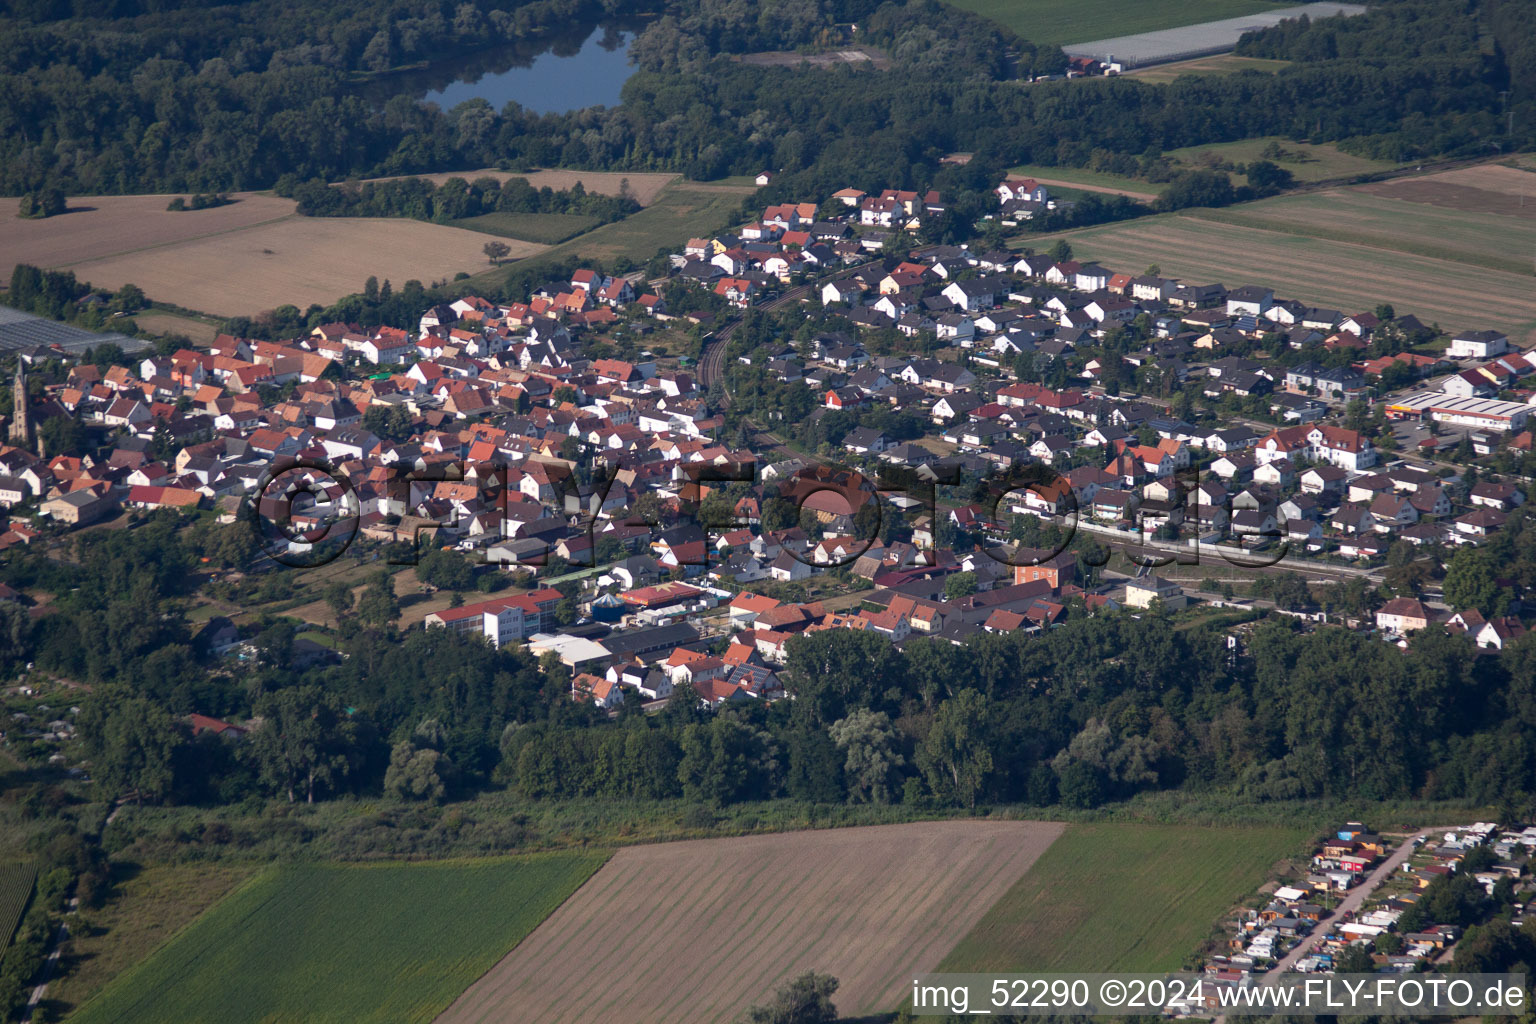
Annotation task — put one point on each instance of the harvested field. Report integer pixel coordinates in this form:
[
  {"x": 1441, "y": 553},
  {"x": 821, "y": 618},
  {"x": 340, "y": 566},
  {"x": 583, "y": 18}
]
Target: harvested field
[
  {"x": 790, "y": 59},
  {"x": 97, "y": 227},
  {"x": 1486, "y": 189},
  {"x": 544, "y": 228},
  {"x": 1145, "y": 197},
  {"x": 700, "y": 930},
  {"x": 1122, "y": 898},
  {"x": 297, "y": 260},
  {"x": 1317, "y": 271},
  {"x": 1367, "y": 216},
  {"x": 645, "y": 186},
  {"x": 1089, "y": 181}
]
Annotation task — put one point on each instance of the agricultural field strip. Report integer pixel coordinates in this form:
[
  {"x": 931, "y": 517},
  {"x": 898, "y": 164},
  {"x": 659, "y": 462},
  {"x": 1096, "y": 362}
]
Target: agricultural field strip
[
  {"x": 811, "y": 922},
  {"x": 16, "y": 882},
  {"x": 1313, "y": 270},
  {"x": 276, "y": 932},
  {"x": 1336, "y": 230},
  {"x": 1120, "y": 897}
]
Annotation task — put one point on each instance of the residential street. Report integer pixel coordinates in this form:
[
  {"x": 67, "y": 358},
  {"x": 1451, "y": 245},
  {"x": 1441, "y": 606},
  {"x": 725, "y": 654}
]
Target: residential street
[{"x": 1352, "y": 901}]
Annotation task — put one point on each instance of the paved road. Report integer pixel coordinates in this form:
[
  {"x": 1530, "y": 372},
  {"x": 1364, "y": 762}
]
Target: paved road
[{"x": 1351, "y": 902}]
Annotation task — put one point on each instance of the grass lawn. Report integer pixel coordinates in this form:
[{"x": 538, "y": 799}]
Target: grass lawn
[
  {"x": 148, "y": 906},
  {"x": 544, "y": 228},
  {"x": 389, "y": 943},
  {"x": 1117, "y": 897},
  {"x": 1307, "y": 162},
  {"x": 1079, "y": 21},
  {"x": 1220, "y": 64}
]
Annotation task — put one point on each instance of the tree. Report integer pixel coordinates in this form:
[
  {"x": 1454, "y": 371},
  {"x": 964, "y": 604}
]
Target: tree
[
  {"x": 872, "y": 762},
  {"x": 495, "y": 252},
  {"x": 338, "y": 596},
  {"x": 132, "y": 744},
  {"x": 955, "y": 756},
  {"x": 305, "y": 743},
  {"x": 447, "y": 570},
  {"x": 1061, "y": 251},
  {"x": 1267, "y": 178},
  {"x": 804, "y": 1000},
  {"x": 958, "y": 585},
  {"x": 1470, "y": 581},
  {"x": 378, "y": 606},
  {"x": 416, "y": 773}
]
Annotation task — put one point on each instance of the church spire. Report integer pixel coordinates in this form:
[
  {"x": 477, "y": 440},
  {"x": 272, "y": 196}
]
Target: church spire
[{"x": 21, "y": 417}]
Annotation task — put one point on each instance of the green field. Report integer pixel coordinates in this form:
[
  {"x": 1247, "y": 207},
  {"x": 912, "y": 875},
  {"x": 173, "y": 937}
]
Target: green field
[
  {"x": 1197, "y": 247},
  {"x": 1079, "y": 21},
  {"x": 347, "y": 943},
  {"x": 1220, "y": 64},
  {"x": 681, "y": 211},
  {"x": 544, "y": 228},
  {"x": 15, "y": 890},
  {"x": 1122, "y": 898},
  {"x": 1305, "y": 161}
]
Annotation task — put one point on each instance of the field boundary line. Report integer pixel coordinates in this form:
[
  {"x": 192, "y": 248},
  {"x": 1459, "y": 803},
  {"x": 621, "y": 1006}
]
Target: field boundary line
[{"x": 172, "y": 244}]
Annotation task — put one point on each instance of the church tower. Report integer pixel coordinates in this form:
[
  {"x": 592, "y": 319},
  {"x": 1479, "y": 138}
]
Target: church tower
[{"x": 21, "y": 419}]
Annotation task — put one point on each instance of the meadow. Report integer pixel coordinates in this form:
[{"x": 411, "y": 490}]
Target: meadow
[
  {"x": 1305, "y": 160},
  {"x": 699, "y": 930},
  {"x": 16, "y": 881},
  {"x": 148, "y": 906},
  {"x": 1079, "y": 21},
  {"x": 543, "y": 228},
  {"x": 346, "y": 943},
  {"x": 1112, "y": 897},
  {"x": 1219, "y": 64},
  {"x": 679, "y": 213}
]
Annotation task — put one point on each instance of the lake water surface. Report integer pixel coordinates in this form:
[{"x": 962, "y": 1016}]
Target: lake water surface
[{"x": 565, "y": 77}]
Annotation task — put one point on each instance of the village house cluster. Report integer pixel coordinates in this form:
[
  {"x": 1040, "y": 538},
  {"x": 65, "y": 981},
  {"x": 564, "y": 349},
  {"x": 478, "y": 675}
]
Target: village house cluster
[
  {"x": 1356, "y": 893},
  {"x": 491, "y": 428}
]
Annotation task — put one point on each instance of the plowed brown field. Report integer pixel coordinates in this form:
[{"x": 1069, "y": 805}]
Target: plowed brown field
[{"x": 697, "y": 931}]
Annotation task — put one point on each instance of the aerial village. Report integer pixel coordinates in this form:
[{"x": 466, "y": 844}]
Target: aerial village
[{"x": 584, "y": 441}]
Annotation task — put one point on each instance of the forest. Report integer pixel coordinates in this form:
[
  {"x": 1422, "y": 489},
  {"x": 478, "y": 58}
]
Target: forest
[
  {"x": 455, "y": 198},
  {"x": 211, "y": 98}
]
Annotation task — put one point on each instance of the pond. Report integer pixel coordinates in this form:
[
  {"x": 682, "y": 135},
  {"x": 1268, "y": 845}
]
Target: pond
[{"x": 575, "y": 72}]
